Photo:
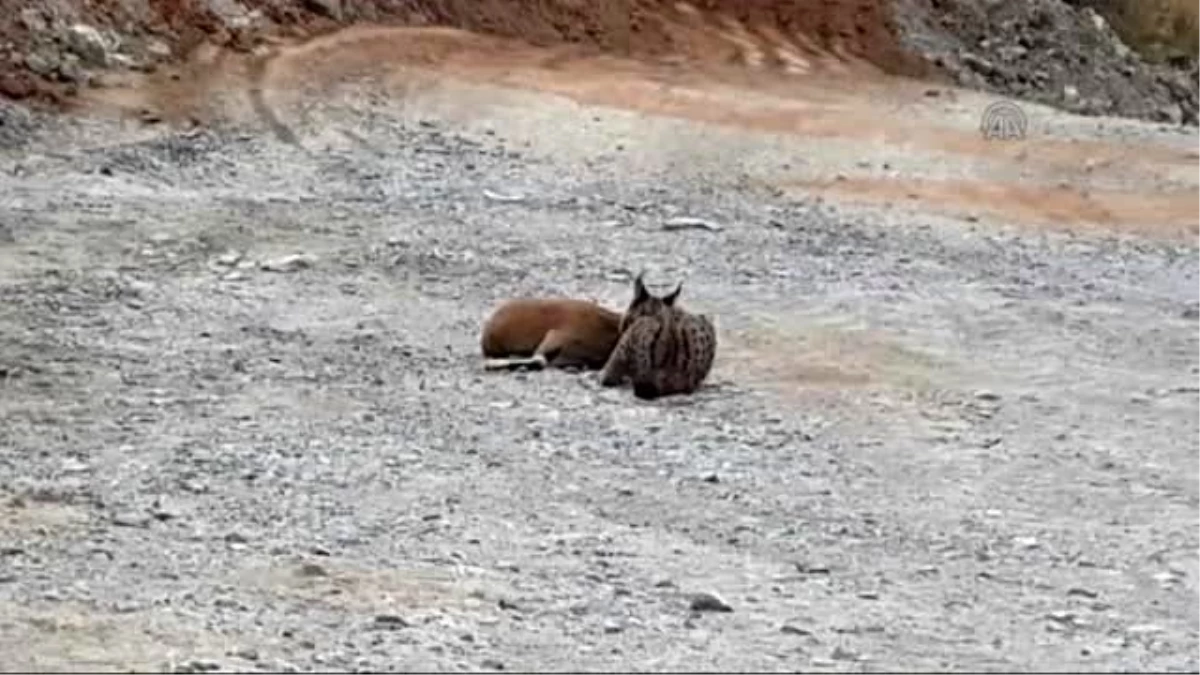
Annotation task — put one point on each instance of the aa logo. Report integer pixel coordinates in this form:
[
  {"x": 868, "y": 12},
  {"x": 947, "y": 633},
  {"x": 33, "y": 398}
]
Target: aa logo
[{"x": 1003, "y": 121}]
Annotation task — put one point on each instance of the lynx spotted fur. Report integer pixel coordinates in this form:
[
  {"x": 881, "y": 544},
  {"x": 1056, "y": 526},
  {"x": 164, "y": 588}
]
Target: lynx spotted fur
[{"x": 662, "y": 349}]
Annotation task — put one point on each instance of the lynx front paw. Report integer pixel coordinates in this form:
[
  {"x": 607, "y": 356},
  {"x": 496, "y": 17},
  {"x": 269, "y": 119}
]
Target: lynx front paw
[{"x": 608, "y": 378}]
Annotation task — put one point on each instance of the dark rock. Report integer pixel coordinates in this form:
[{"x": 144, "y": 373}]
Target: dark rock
[
  {"x": 15, "y": 87},
  {"x": 708, "y": 602},
  {"x": 312, "y": 570},
  {"x": 842, "y": 654},
  {"x": 131, "y": 520},
  {"x": 390, "y": 621},
  {"x": 329, "y": 8}
]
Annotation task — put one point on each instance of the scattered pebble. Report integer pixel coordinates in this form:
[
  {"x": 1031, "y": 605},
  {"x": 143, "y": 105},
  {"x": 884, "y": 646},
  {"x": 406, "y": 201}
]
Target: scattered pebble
[
  {"x": 842, "y": 654},
  {"x": 810, "y": 568},
  {"x": 131, "y": 520},
  {"x": 708, "y": 602},
  {"x": 390, "y": 621},
  {"x": 686, "y": 223},
  {"x": 1026, "y": 543},
  {"x": 1167, "y": 578},
  {"x": 197, "y": 666},
  {"x": 312, "y": 570},
  {"x": 229, "y": 259},
  {"x": 290, "y": 263},
  {"x": 1061, "y": 616},
  {"x": 75, "y": 466},
  {"x": 164, "y": 513},
  {"x": 502, "y": 197}
]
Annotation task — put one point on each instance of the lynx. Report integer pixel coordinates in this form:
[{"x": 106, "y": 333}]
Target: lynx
[
  {"x": 662, "y": 349},
  {"x": 532, "y": 333}
]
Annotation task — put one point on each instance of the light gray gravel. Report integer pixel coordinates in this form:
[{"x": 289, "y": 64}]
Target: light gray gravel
[{"x": 926, "y": 445}]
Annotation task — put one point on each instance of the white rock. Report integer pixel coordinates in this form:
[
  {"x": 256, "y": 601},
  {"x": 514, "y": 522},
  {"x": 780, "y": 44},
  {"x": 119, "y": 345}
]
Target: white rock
[
  {"x": 158, "y": 48},
  {"x": 502, "y": 197},
  {"x": 689, "y": 223},
  {"x": 33, "y": 20},
  {"x": 88, "y": 44},
  {"x": 290, "y": 263}
]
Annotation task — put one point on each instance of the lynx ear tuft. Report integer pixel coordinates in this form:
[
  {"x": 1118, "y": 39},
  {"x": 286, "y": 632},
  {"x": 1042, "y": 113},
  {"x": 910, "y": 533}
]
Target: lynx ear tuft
[{"x": 640, "y": 294}]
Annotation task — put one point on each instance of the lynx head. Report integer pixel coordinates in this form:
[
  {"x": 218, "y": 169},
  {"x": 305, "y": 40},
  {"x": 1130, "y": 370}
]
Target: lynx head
[{"x": 645, "y": 304}]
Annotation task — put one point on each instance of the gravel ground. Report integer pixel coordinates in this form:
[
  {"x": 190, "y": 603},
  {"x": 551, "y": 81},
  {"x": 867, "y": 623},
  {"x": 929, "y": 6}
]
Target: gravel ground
[{"x": 246, "y": 424}]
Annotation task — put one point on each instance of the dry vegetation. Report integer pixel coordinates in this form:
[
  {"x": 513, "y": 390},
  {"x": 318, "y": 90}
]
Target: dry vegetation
[{"x": 1159, "y": 29}]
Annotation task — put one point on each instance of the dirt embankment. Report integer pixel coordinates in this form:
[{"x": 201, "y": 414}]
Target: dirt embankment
[
  {"x": 1044, "y": 50},
  {"x": 59, "y": 47}
]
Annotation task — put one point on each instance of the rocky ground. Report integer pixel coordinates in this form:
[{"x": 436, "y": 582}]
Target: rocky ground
[
  {"x": 1053, "y": 53},
  {"x": 246, "y": 424}
]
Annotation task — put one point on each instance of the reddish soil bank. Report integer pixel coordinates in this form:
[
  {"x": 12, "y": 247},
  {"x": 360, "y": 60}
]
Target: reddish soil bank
[{"x": 638, "y": 28}]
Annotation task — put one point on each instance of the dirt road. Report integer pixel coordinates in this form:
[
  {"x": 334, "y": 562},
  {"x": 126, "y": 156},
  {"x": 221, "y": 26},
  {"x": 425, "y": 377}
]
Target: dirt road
[{"x": 952, "y": 424}]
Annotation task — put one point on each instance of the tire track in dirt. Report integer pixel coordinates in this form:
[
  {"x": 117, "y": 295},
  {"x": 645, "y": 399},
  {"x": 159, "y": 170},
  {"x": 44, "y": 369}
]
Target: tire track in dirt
[
  {"x": 259, "y": 73},
  {"x": 732, "y": 73},
  {"x": 706, "y": 43}
]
